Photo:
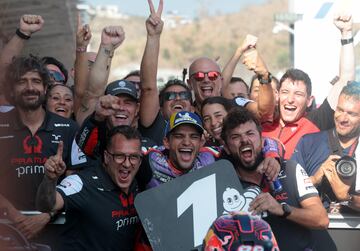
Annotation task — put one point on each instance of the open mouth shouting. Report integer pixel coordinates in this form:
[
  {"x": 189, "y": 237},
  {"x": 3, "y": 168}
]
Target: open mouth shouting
[{"x": 207, "y": 91}]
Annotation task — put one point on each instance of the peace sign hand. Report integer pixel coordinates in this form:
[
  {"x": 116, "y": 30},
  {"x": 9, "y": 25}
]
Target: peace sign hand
[{"x": 154, "y": 24}]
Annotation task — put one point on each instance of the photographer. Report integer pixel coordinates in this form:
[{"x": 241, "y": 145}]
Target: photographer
[{"x": 328, "y": 156}]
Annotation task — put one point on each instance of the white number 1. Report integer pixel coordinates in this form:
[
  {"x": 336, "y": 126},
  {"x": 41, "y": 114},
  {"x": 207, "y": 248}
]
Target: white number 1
[{"x": 202, "y": 196}]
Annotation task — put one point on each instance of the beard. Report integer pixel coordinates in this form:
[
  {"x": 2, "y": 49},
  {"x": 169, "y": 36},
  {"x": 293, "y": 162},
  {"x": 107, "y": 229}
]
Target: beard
[
  {"x": 239, "y": 163},
  {"x": 21, "y": 101}
]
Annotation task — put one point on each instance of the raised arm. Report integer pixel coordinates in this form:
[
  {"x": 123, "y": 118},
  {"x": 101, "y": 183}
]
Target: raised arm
[
  {"x": 264, "y": 107},
  {"x": 111, "y": 38},
  {"x": 347, "y": 57},
  {"x": 83, "y": 36},
  {"x": 228, "y": 71},
  {"x": 28, "y": 25},
  {"x": 149, "y": 101}
]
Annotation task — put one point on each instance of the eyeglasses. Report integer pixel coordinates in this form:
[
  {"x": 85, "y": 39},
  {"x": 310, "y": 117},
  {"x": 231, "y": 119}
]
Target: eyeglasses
[
  {"x": 172, "y": 95},
  {"x": 200, "y": 76},
  {"x": 57, "y": 77},
  {"x": 120, "y": 158}
]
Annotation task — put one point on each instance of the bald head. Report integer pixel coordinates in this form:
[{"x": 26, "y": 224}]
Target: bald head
[{"x": 205, "y": 78}]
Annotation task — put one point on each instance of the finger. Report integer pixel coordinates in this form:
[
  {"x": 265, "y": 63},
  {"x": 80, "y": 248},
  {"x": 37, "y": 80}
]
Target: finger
[
  {"x": 151, "y": 6},
  {"x": 60, "y": 149},
  {"x": 78, "y": 20},
  {"x": 160, "y": 8}
]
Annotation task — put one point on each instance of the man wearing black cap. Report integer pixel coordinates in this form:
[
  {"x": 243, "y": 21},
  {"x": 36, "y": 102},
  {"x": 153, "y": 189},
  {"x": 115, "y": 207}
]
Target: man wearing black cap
[{"x": 119, "y": 106}]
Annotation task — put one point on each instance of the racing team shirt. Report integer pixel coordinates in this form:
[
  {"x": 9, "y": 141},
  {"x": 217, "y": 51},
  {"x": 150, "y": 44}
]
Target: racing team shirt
[
  {"x": 290, "y": 134},
  {"x": 23, "y": 155},
  {"x": 297, "y": 187},
  {"x": 99, "y": 216}
]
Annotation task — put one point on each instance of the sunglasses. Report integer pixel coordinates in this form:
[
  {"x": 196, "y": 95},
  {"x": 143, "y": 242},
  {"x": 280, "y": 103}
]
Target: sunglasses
[
  {"x": 200, "y": 76},
  {"x": 172, "y": 95},
  {"x": 57, "y": 76}
]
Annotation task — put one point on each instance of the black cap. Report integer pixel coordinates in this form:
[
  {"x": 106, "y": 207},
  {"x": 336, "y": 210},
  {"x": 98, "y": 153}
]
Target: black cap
[{"x": 121, "y": 87}]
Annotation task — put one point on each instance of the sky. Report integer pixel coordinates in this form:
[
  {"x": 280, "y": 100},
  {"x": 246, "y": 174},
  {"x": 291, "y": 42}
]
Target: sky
[{"x": 184, "y": 7}]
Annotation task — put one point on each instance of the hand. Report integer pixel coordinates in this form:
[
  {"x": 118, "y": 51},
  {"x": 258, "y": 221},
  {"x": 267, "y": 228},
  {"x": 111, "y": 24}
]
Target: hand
[
  {"x": 30, "y": 24},
  {"x": 254, "y": 62},
  {"x": 271, "y": 168},
  {"x": 248, "y": 43},
  {"x": 54, "y": 165},
  {"x": 343, "y": 22},
  {"x": 154, "y": 24},
  {"x": 339, "y": 186},
  {"x": 83, "y": 34},
  {"x": 106, "y": 106},
  {"x": 30, "y": 226},
  {"x": 265, "y": 202},
  {"x": 112, "y": 36},
  {"x": 328, "y": 164}
]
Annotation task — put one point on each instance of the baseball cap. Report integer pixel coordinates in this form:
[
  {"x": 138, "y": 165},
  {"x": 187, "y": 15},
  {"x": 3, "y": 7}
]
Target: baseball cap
[
  {"x": 121, "y": 87},
  {"x": 184, "y": 118},
  {"x": 241, "y": 230}
]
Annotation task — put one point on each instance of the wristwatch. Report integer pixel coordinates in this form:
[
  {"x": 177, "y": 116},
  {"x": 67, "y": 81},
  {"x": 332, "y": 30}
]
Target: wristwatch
[
  {"x": 265, "y": 81},
  {"x": 287, "y": 210}
]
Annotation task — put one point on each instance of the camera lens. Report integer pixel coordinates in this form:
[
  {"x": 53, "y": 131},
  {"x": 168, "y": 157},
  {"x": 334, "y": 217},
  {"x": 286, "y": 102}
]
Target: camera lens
[{"x": 346, "y": 167}]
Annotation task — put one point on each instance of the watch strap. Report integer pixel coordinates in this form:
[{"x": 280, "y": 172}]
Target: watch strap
[{"x": 347, "y": 41}]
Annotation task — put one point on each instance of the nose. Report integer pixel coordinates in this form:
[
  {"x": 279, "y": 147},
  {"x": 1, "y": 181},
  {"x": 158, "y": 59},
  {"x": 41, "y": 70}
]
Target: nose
[
  {"x": 186, "y": 140},
  {"x": 126, "y": 162},
  {"x": 213, "y": 122},
  {"x": 290, "y": 98}
]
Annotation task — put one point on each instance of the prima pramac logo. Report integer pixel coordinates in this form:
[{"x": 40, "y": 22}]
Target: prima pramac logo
[{"x": 32, "y": 144}]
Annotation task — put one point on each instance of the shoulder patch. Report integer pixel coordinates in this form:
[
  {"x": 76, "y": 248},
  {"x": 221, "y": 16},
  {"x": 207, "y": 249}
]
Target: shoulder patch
[
  {"x": 305, "y": 186},
  {"x": 71, "y": 185}
]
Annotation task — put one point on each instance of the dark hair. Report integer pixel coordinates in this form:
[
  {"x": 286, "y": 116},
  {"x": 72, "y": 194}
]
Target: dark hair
[
  {"x": 226, "y": 103},
  {"x": 170, "y": 83},
  {"x": 238, "y": 116},
  {"x": 238, "y": 79},
  {"x": 297, "y": 75},
  {"x": 133, "y": 73},
  {"x": 19, "y": 67},
  {"x": 352, "y": 89},
  {"x": 255, "y": 77},
  {"x": 48, "y": 91},
  {"x": 127, "y": 131},
  {"x": 61, "y": 66}
]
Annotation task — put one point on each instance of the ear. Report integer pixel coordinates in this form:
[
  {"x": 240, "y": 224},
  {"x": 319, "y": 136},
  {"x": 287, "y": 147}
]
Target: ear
[
  {"x": 106, "y": 158},
  {"x": 203, "y": 140},
  {"x": 166, "y": 142},
  {"x": 189, "y": 84},
  {"x": 137, "y": 109},
  {"x": 309, "y": 101}
]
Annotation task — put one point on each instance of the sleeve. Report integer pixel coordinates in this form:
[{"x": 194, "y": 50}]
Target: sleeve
[
  {"x": 155, "y": 131},
  {"x": 323, "y": 117},
  {"x": 304, "y": 187},
  {"x": 299, "y": 152},
  {"x": 88, "y": 137},
  {"x": 72, "y": 190}
]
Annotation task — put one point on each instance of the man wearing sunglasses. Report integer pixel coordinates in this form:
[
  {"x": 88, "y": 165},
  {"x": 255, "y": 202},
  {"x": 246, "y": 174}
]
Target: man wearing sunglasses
[
  {"x": 205, "y": 79},
  {"x": 175, "y": 96},
  {"x": 99, "y": 201}
]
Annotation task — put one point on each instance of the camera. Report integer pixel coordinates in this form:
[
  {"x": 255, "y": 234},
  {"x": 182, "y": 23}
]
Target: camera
[{"x": 346, "y": 167}]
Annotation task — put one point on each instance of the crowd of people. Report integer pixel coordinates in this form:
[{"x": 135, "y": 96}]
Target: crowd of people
[{"x": 90, "y": 148}]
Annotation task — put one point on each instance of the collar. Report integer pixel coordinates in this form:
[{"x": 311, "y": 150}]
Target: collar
[{"x": 45, "y": 126}]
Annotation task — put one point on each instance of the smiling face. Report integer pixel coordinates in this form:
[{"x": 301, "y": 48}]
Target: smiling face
[
  {"x": 244, "y": 144},
  {"x": 293, "y": 100},
  {"x": 347, "y": 117},
  {"x": 29, "y": 91},
  {"x": 213, "y": 116},
  {"x": 122, "y": 174},
  {"x": 127, "y": 112},
  {"x": 60, "y": 100},
  {"x": 171, "y": 106},
  {"x": 183, "y": 144},
  {"x": 206, "y": 87},
  {"x": 232, "y": 200}
]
